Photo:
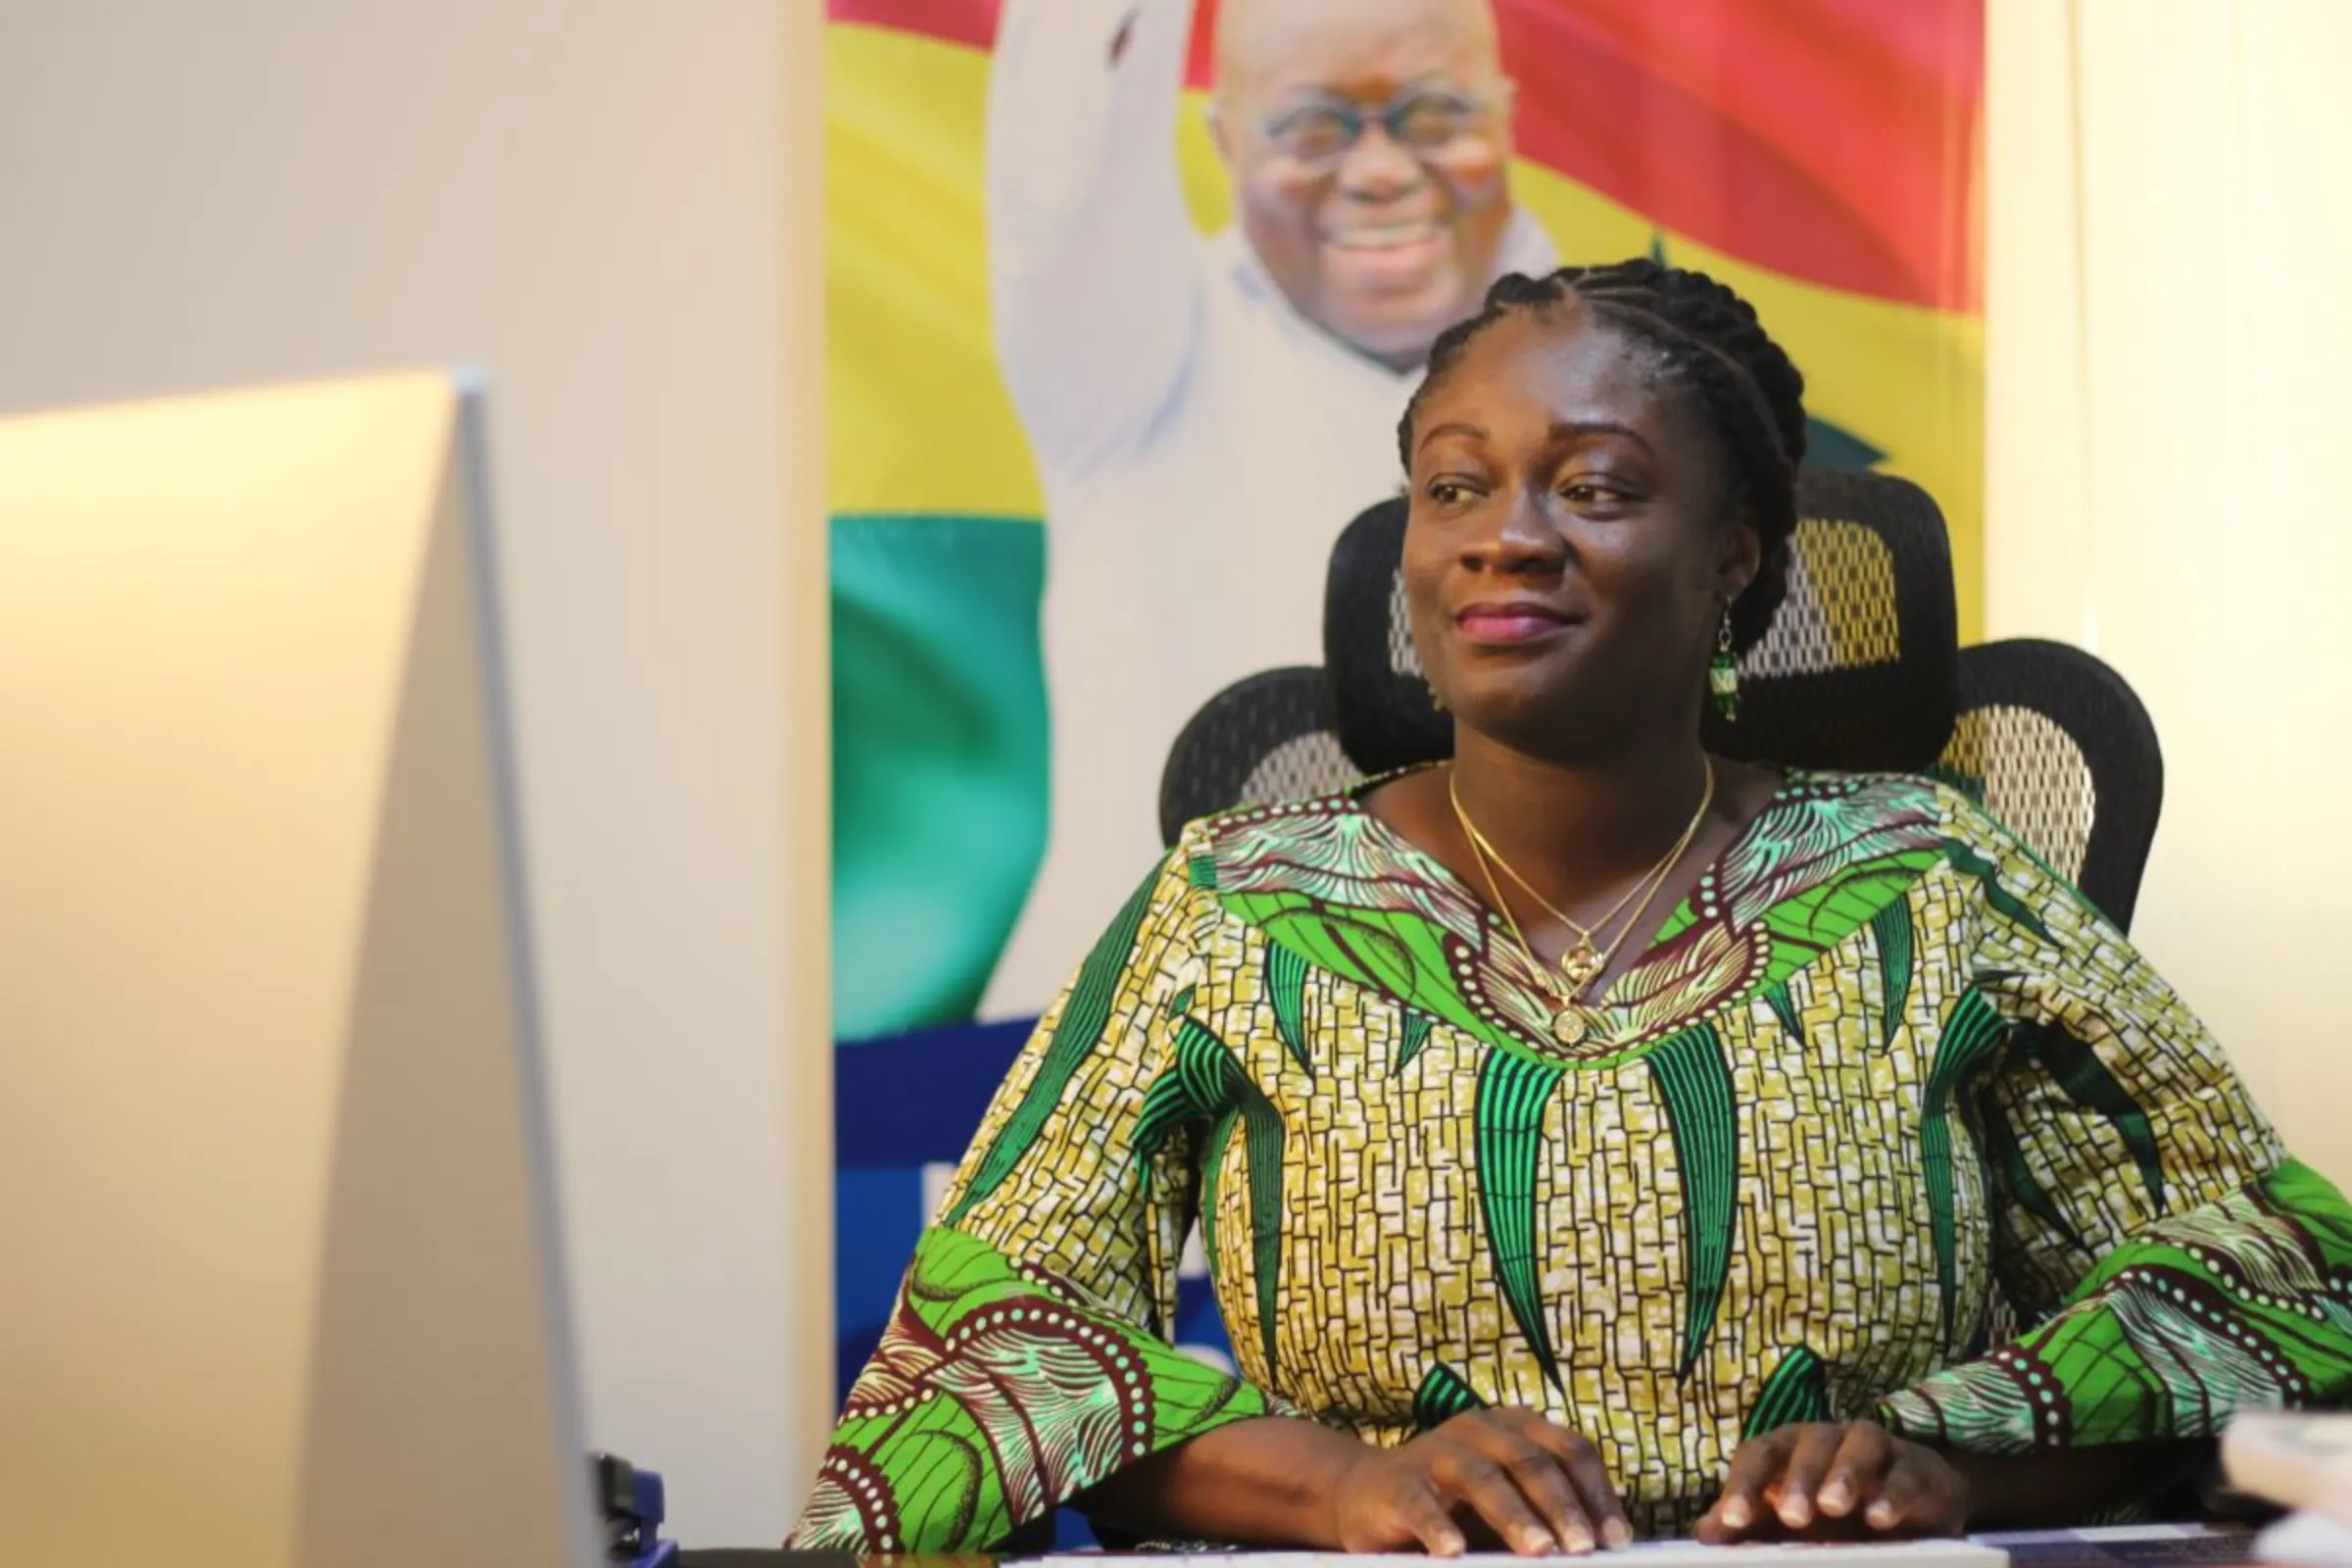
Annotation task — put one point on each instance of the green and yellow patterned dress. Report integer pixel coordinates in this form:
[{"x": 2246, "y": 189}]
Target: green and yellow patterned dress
[{"x": 1880, "y": 1061}]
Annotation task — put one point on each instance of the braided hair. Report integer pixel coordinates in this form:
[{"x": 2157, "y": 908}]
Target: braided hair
[{"x": 1708, "y": 339}]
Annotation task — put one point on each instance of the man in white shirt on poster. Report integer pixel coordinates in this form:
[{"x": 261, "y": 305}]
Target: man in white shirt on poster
[{"x": 1207, "y": 413}]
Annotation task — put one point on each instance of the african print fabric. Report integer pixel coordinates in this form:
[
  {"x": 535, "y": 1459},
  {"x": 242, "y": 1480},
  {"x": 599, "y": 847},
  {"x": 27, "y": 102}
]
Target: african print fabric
[{"x": 1880, "y": 1068}]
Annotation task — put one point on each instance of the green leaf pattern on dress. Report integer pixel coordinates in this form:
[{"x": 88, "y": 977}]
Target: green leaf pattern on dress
[
  {"x": 1512, "y": 1093},
  {"x": 1695, "y": 1083}
]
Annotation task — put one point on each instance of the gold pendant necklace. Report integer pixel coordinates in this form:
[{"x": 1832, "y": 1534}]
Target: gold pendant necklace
[
  {"x": 1574, "y": 1023},
  {"x": 1585, "y": 957},
  {"x": 1581, "y": 963}
]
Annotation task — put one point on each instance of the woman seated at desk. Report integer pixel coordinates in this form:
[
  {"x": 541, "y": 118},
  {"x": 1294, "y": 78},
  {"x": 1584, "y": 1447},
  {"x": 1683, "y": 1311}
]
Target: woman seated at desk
[{"x": 1590, "y": 1137}]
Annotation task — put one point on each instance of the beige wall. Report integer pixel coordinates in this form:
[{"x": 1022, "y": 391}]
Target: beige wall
[
  {"x": 2168, "y": 323},
  {"x": 593, "y": 201}
]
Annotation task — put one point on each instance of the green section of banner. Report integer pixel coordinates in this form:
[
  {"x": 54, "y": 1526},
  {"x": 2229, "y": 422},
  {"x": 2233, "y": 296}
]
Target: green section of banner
[{"x": 939, "y": 760}]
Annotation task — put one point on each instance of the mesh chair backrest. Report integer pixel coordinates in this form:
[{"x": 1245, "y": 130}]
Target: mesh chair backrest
[
  {"x": 1856, "y": 671},
  {"x": 2056, "y": 745},
  {"x": 1267, "y": 737}
]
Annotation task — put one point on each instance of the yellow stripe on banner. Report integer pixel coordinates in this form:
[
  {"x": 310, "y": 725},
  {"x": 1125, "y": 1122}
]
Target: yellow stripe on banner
[
  {"x": 919, "y": 420},
  {"x": 1208, "y": 190},
  {"x": 916, "y": 415}
]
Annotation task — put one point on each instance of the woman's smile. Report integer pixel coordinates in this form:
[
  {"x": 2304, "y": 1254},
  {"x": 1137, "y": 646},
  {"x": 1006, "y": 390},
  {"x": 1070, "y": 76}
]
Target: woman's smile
[{"x": 1513, "y": 623}]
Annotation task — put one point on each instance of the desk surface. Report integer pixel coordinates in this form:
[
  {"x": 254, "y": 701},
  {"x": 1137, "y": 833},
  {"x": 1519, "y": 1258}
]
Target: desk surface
[{"x": 2119, "y": 1546}]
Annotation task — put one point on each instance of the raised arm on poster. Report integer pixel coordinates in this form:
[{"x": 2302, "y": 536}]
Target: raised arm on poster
[
  {"x": 1092, "y": 267},
  {"x": 1207, "y": 412},
  {"x": 1096, "y": 273}
]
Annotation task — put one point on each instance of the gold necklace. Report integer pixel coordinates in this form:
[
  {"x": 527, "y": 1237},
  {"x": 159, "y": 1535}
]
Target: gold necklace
[
  {"x": 1582, "y": 964},
  {"x": 1585, "y": 957},
  {"x": 1647, "y": 887},
  {"x": 1571, "y": 1022}
]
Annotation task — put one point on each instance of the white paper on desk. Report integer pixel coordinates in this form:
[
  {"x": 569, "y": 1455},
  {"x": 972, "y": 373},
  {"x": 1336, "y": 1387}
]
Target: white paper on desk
[
  {"x": 1646, "y": 1554},
  {"x": 2297, "y": 1459},
  {"x": 2305, "y": 1538}
]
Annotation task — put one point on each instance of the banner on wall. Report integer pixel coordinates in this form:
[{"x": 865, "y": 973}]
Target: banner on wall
[{"x": 1124, "y": 300}]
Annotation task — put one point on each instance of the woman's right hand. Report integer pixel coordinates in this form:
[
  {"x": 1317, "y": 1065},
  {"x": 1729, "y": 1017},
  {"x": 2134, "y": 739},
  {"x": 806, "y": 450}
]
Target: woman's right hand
[{"x": 1536, "y": 1486}]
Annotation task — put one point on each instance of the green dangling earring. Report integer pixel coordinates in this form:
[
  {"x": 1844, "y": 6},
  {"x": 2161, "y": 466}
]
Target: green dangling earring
[{"x": 1723, "y": 670}]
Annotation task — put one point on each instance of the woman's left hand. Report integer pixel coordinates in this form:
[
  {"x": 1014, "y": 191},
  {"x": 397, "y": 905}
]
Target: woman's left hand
[{"x": 1836, "y": 1481}]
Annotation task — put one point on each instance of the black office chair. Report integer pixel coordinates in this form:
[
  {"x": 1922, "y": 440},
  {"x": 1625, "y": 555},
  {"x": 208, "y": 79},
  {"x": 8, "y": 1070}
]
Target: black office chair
[
  {"x": 2054, "y": 744},
  {"x": 1860, "y": 671},
  {"x": 1266, "y": 737}
]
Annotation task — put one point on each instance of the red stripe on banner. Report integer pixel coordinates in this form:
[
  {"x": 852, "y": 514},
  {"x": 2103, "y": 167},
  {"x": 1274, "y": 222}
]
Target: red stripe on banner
[
  {"x": 964, "y": 22},
  {"x": 1831, "y": 140},
  {"x": 1835, "y": 140}
]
